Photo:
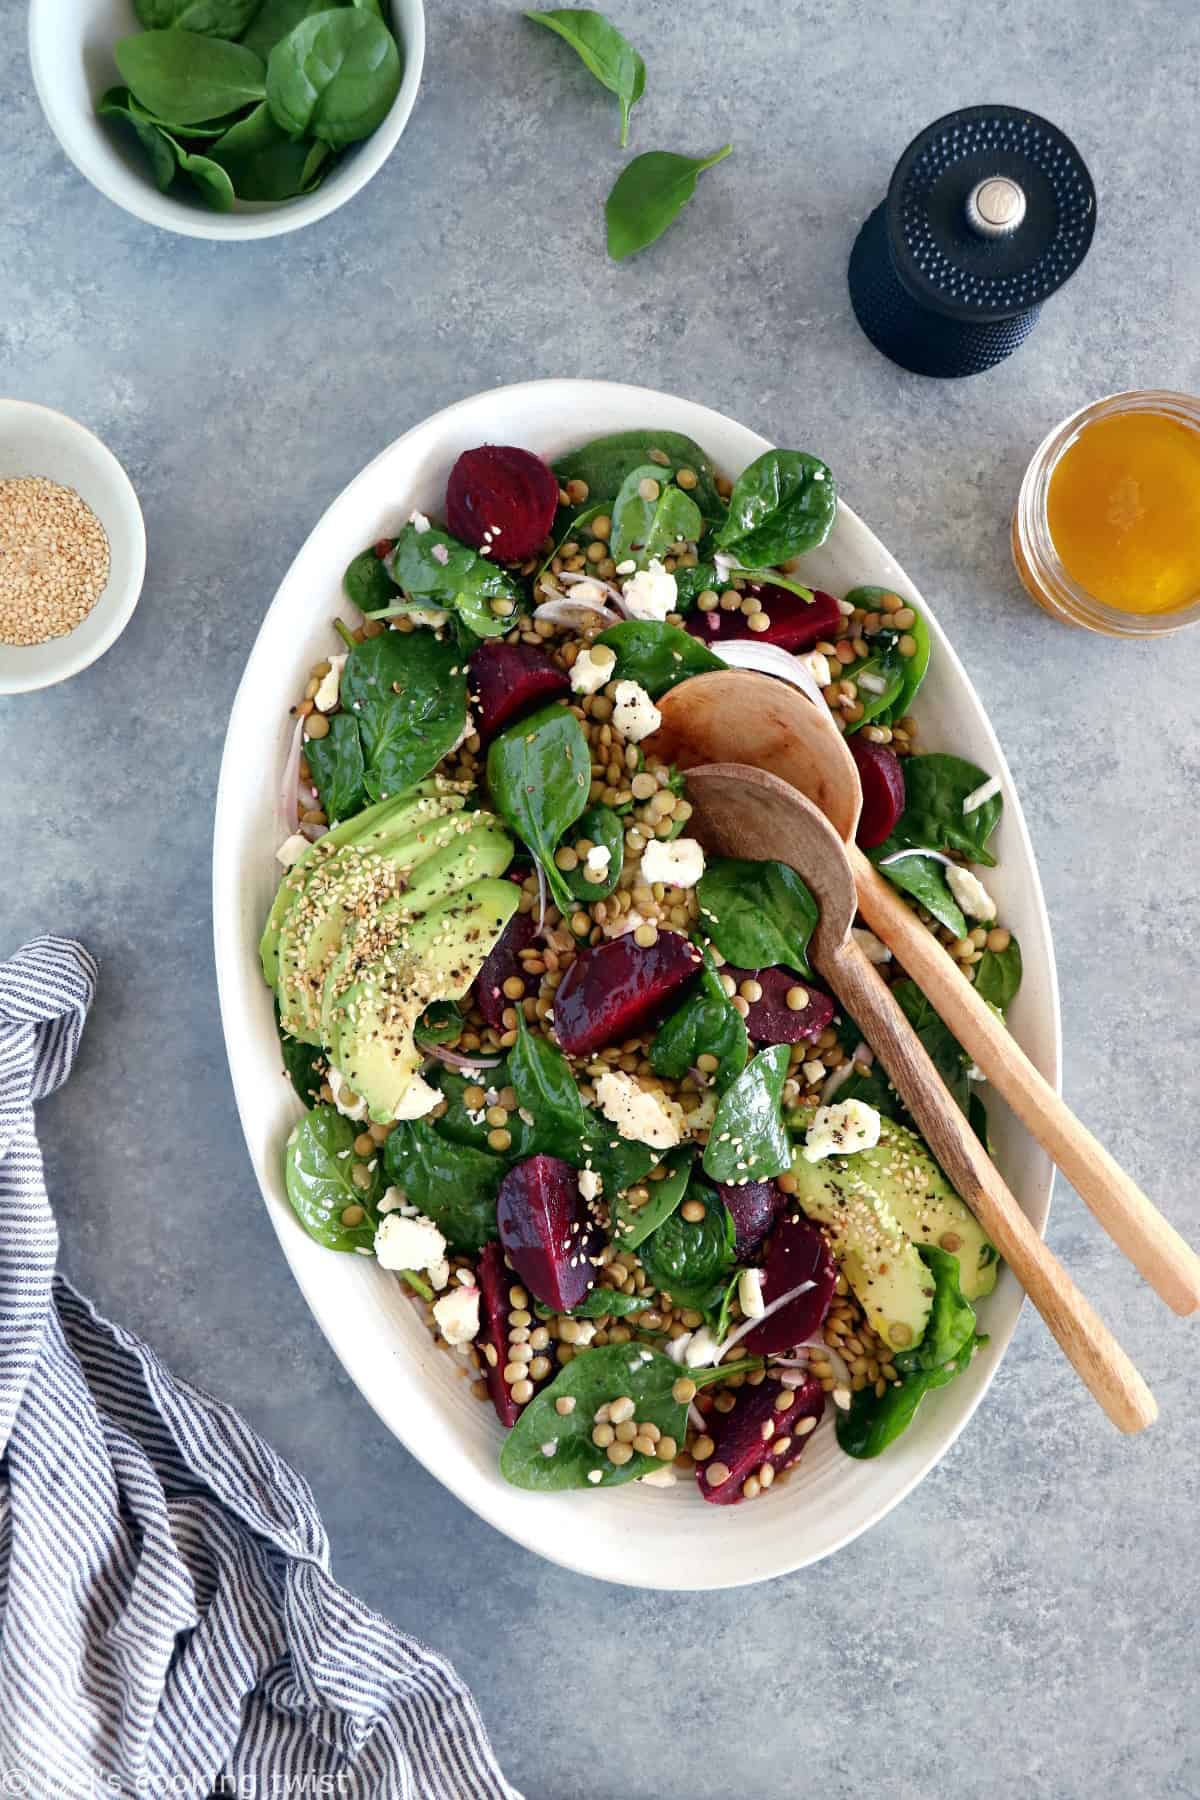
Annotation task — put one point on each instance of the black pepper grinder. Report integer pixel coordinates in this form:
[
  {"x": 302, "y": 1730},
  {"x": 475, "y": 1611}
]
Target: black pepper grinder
[{"x": 989, "y": 211}]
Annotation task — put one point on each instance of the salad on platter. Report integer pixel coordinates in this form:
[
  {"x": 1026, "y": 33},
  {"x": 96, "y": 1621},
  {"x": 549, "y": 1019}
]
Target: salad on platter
[{"x": 567, "y": 1076}]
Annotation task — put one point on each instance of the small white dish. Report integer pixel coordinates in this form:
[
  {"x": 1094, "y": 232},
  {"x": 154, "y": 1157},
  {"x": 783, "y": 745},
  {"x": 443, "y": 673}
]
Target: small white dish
[
  {"x": 71, "y": 54},
  {"x": 35, "y": 440},
  {"x": 638, "y": 1536}
]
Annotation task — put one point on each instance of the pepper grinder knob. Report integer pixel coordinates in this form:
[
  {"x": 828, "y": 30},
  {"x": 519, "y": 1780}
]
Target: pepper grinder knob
[{"x": 989, "y": 211}]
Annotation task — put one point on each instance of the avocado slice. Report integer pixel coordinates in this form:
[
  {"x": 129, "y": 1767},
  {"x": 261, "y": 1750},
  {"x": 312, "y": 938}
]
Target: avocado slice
[
  {"x": 927, "y": 1207},
  {"x": 400, "y": 813},
  {"x": 437, "y": 958}
]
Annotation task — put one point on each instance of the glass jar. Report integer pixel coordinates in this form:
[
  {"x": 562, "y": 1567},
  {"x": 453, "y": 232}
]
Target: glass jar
[{"x": 1117, "y": 513}]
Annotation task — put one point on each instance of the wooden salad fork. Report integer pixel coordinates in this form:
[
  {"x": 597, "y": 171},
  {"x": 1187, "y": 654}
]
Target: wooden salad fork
[
  {"x": 742, "y": 811},
  {"x": 739, "y": 715}
]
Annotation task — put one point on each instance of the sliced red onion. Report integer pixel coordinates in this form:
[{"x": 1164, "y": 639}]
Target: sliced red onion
[
  {"x": 455, "y": 1059},
  {"x": 769, "y": 659},
  {"x": 696, "y": 1417},
  {"x": 899, "y": 856},
  {"x": 543, "y": 896},
  {"x": 984, "y": 792},
  {"x": 289, "y": 813},
  {"x": 572, "y": 577},
  {"x": 579, "y": 615}
]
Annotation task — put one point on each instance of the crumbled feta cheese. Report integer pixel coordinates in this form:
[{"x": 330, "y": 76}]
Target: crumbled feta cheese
[
  {"x": 457, "y": 1314},
  {"x": 433, "y": 616},
  {"x": 658, "y": 1478},
  {"x": 326, "y": 696},
  {"x": 595, "y": 1476},
  {"x": 814, "y": 1071},
  {"x": 641, "y": 1115},
  {"x": 419, "y": 522},
  {"x": 415, "y": 1244},
  {"x": 588, "y": 593},
  {"x": 817, "y": 664},
  {"x": 871, "y": 947},
  {"x": 750, "y": 1294},
  {"x": 627, "y": 567},
  {"x": 392, "y": 1201},
  {"x": 634, "y": 713},
  {"x": 679, "y": 863},
  {"x": 975, "y": 1073},
  {"x": 725, "y": 565},
  {"x": 417, "y": 1099},
  {"x": 339, "y": 1087},
  {"x": 439, "y": 1275},
  {"x": 841, "y": 1130},
  {"x": 292, "y": 849},
  {"x": 676, "y": 1348},
  {"x": 874, "y": 684},
  {"x": 550, "y": 1446},
  {"x": 970, "y": 893},
  {"x": 703, "y": 1350},
  {"x": 585, "y": 1331},
  {"x": 595, "y": 863},
  {"x": 591, "y": 1185},
  {"x": 651, "y": 593},
  {"x": 441, "y": 554},
  {"x": 592, "y": 668},
  {"x": 464, "y": 734}
]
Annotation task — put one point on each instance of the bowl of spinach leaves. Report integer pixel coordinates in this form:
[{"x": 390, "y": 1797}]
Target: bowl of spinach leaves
[{"x": 227, "y": 119}]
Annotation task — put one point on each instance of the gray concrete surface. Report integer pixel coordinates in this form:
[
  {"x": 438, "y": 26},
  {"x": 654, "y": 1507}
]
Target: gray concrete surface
[{"x": 1024, "y": 1622}]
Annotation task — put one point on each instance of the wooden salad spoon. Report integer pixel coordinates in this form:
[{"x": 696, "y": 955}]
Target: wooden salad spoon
[
  {"x": 741, "y": 811},
  {"x": 764, "y": 723}
]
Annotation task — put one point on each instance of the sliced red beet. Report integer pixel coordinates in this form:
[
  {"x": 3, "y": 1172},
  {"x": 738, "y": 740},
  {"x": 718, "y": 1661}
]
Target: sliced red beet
[
  {"x": 506, "y": 680},
  {"x": 755, "y": 1207},
  {"x": 796, "y": 1253},
  {"x": 502, "y": 500},
  {"x": 492, "y": 1339},
  {"x": 500, "y": 965},
  {"x": 761, "y": 1427},
  {"x": 881, "y": 777},
  {"x": 796, "y": 624},
  {"x": 612, "y": 990},
  {"x": 547, "y": 1230},
  {"x": 771, "y": 1020}
]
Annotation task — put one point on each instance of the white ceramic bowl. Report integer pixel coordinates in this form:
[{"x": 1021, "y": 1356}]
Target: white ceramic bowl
[
  {"x": 34, "y": 440},
  {"x": 660, "y": 1538},
  {"x": 71, "y": 53}
]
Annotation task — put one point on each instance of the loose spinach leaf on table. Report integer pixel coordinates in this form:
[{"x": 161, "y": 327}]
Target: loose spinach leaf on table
[
  {"x": 368, "y": 583},
  {"x": 408, "y": 692},
  {"x": 925, "y": 879},
  {"x": 212, "y": 18},
  {"x": 539, "y": 772},
  {"x": 451, "y": 1184},
  {"x": 541, "y": 1078},
  {"x": 998, "y": 976},
  {"x": 757, "y": 913},
  {"x": 610, "y": 57},
  {"x": 647, "y": 527},
  {"x": 633, "y": 1225},
  {"x": 334, "y": 76},
  {"x": 318, "y": 1166},
  {"x": 904, "y": 674},
  {"x": 706, "y": 1024},
  {"x": 464, "y": 583},
  {"x": 935, "y": 788},
  {"x": 186, "y": 78},
  {"x": 748, "y": 1140},
  {"x": 338, "y": 769},
  {"x": 657, "y": 656},
  {"x": 782, "y": 505},
  {"x": 263, "y": 162},
  {"x": 690, "y": 1260},
  {"x": 603, "y": 464},
  {"x": 648, "y": 194},
  {"x": 599, "y": 825}
]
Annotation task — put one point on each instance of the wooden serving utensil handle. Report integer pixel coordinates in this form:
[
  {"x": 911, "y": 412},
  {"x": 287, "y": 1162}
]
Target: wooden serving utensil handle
[
  {"x": 1093, "y": 1352},
  {"x": 1133, "y": 1222}
]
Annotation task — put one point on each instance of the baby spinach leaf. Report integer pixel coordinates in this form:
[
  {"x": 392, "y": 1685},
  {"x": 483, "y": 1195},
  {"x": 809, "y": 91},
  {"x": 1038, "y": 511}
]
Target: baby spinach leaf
[
  {"x": 458, "y": 1126},
  {"x": 318, "y": 1167},
  {"x": 706, "y": 1024},
  {"x": 599, "y": 825},
  {"x": 539, "y": 772},
  {"x": 720, "y": 1316},
  {"x": 214, "y": 18},
  {"x": 464, "y": 583},
  {"x": 871, "y": 1423},
  {"x": 951, "y": 1323},
  {"x": 208, "y": 177},
  {"x": 261, "y": 160},
  {"x": 911, "y": 668},
  {"x": 691, "y": 1260},
  {"x": 782, "y": 505},
  {"x": 619, "y": 1162},
  {"x": 645, "y": 528},
  {"x": 656, "y": 655},
  {"x": 334, "y": 76},
  {"x": 408, "y": 692},
  {"x": 603, "y": 1301},
  {"x": 633, "y": 1225},
  {"x": 336, "y": 761},
  {"x": 274, "y": 19},
  {"x": 591, "y": 1379},
  {"x": 648, "y": 194},
  {"x": 118, "y": 103},
  {"x": 368, "y": 583},
  {"x": 304, "y": 1064},
  {"x": 545, "y": 1088},
  {"x": 757, "y": 913},
  {"x": 185, "y": 77},
  {"x": 935, "y": 787},
  {"x": 604, "y": 463},
  {"x": 451, "y": 1184},
  {"x": 925, "y": 879},
  {"x": 612, "y": 60},
  {"x": 748, "y": 1141},
  {"x": 998, "y": 976},
  {"x": 440, "y": 1023},
  {"x": 945, "y": 1052}
]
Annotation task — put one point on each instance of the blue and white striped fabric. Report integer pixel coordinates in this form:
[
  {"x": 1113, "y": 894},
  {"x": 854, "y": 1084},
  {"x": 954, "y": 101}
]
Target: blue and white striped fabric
[{"x": 168, "y": 1622}]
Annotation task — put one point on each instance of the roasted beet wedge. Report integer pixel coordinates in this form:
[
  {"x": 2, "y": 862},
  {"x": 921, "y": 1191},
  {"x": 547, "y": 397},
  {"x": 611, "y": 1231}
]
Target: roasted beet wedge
[
  {"x": 771, "y": 1020},
  {"x": 796, "y": 1253},
  {"x": 547, "y": 1231},
  {"x": 881, "y": 776},
  {"x": 611, "y": 991},
  {"x": 796, "y": 624},
  {"x": 492, "y": 1340},
  {"x": 506, "y": 680},
  {"x": 764, "y": 1426},
  {"x": 500, "y": 965},
  {"x": 502, "y": 500},
  {"x": 755, "y": 1207}
]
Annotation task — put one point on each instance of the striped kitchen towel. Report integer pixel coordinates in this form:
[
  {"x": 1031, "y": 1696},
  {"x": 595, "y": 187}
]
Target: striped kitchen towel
[{"x": 168, "y": 1621}]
